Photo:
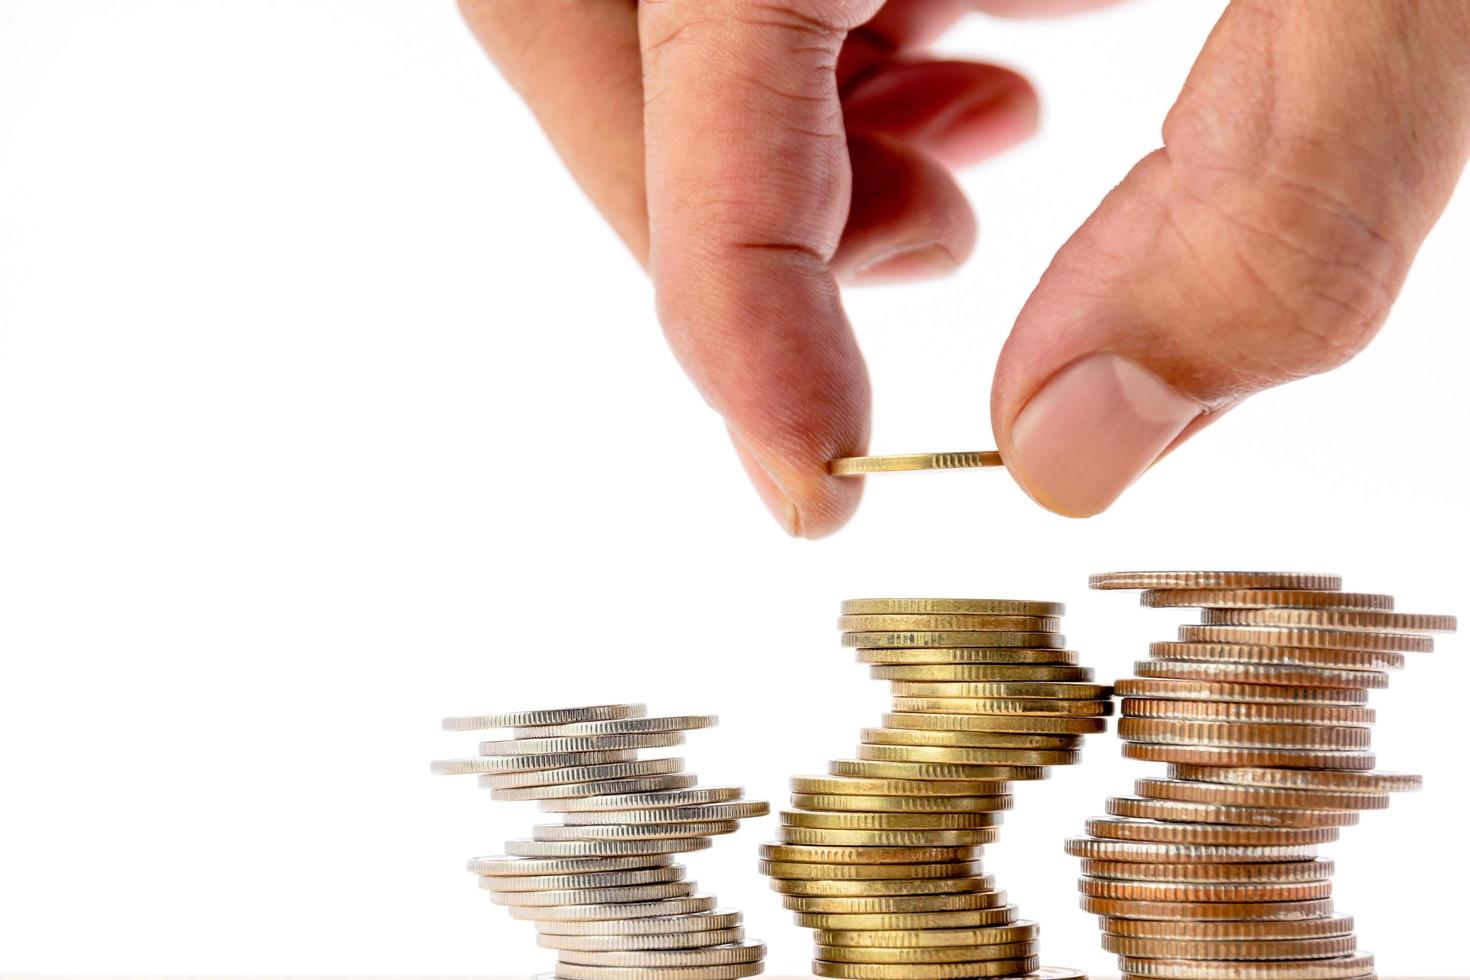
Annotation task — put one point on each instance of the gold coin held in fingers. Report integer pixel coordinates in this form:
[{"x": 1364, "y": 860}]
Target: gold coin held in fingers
[{"x": 862, "y": 465}]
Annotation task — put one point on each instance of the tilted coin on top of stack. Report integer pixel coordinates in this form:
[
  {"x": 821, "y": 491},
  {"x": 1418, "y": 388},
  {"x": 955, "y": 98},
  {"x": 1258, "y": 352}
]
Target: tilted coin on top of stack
[
  {"x": 602, "y": 886},
  {"x": 1260, "y": 712},
  {"x": 881, "y": 856}
]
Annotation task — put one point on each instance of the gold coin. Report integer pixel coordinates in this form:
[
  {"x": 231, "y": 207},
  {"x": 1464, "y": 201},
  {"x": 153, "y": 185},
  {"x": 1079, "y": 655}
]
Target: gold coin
[
  {"x": 1350, "y": 967},
  {"x": 816, "y": 854},
  {"x": 1148, "y": 852},
  {"x": 700, "y": 796},
  {"x": 1336, "y": 619},
  {"x": 632, "y": 831},
  {"x": 1240, "y": 653},
  {"x": 633, "y": 910},
  {"x": 968, "y": 953},
  {"x": 998, "y": 915},
  {"x": 1215, "y": 580},
  {"x": 1171, "y": 810},
  {"x": 1349, "y": 782},
  {"x": 1264, "y": 599},
  {"x": 1050, "y": 724},
  {"x": 1267, "y": 797},
  {"x": 1289, "y": 636},
  {"x": 584, "y": 774},
  {"x": 745, "y": 951},
  {"x": 523, "y": 763},
  {"x": 678, "y": 814},
  {"x": 577, "y": 971},
  {"x": 1226, "y": 931},
  {"x": 603, "y": 879},
  {"x": 889, "y": 838},
  {"x": 579, "y": 743},
  {"x": 986, "y": 899},
  {"x": 503, "y": 865},
  {"x": 959, "y": 755},
  {"x": 693, "y": 922},
  {"x": 972, "y": 607},
  {"x": 996, "y": 656},
  {"x": 1004, "y": 706},
  {"x": 574, "y": 791},
  {"x": 874, "y": 888},
  {"x": 1188, "y": 891},
  {"x": 925, "y": 971},
  {"x": 622, "y": 726},
  {"x": 862, "y": 465},
  {"x": 1246, "y": 949},
  {"x": 548, "y": 716},
  {"x": 811, "y": 871},
  {"x": 986, "y": 740},
  {"x": 1016, "y": 932},
  {"x": 1125, "y": 828},
  {"x": 899, "y": 804},
  {"x": 1262, "y": 674},
  {"x": 997, "y": 776},
  {"x": 603, "y": 848},
  {"x": 953, "y": 638},
  {"x": 1174, "y": 690},
  {"x": 973, "y": 673},
  {"x": 1286, "y": 871},
  {"x": 1242, "y": 734},
  {"x": 597, "y": 896},
  {"x": 855, "y": 786},
  {"x": 677, "y": 940},
  {"x": 1208, "y": 911},
  {"x": 1003, "y": 689},
  {"x": 1208, "y": 755},
  {"x": 1283, "y": 714},
  {"x": 948, "y": 621},
  {"x": 817, "y": 820}
]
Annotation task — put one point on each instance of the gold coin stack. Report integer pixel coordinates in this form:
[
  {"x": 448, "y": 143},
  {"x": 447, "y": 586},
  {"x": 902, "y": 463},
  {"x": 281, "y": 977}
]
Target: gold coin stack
[
  {"x": 882, "y": 856},
  {"x": 1259, "y": 710},
  {"x": 602, "y": 886}
]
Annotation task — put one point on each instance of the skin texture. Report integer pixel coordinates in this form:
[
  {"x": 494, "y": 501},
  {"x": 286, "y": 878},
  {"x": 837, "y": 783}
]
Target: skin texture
[{"x": 754, "y": 154}]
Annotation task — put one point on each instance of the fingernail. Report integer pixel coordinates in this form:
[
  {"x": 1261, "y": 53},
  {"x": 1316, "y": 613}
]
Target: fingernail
[
  {"x": 912, "y": 262},
  {"x": 781, "y": 506},
  {"x": 1092, "y": 430}
]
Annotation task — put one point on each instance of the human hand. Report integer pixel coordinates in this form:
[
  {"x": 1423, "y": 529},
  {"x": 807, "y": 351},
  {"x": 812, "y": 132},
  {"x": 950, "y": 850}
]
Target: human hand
[{"x": 754, "y": 153}]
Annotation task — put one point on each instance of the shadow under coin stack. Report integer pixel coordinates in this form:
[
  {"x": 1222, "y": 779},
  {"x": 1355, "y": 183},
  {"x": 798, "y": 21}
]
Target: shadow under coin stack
[
  {"x": 882, "y": 856},
  {"x": 602, "y": 886},
  {"x": 1260, "y": 713}
]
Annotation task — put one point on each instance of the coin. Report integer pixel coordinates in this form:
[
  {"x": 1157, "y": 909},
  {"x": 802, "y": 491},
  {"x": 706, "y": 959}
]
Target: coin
[
  {"x": 1209, "y": 755},
  {"x": 996, "y": 776},
  {"x": 1147, "y": 852},
  {"x": 960, "y": 755},
  {"x": 888, "y": 838},
  {"x": 1054, "y": 724},
  {"x": 1215, "y": 580},
  {"x": 1264, "y": 599},
  {"x": 563, "y": 745},
  {"x": 574, "y": 791},
  {"x": 811, "y": 871},
  {"x": 979, "y": 672},
  {"x": 1126, "y": 828},
  {"x": 584, "y": 774},
  {"x": 634, "y": 910},
  {"x": 677, "y": 940},
  {"x": 1207, "y": 911},
  {"x": 690, "y": 922},
  {"x": 1128, "y": 806},
  {"x": 1242, "y": 734},
  {"x": 847, "y": 820},
  {"x": 856, "y": 786},
  {"x": 649, "y": 801},
  {"x": 1350, "y": 967},
  {"x": 1198, "y": 690},
  {"x": 521, "y": 763},
  {"x": 869, "y": 888},
  {"x": 745, "y": 951},
  {"x": 1003, "y": 690},
  {"x": 1289, "y": 636},
  {"x": 603, "y": 848},
  {"x": 861, "y": 465},
  {"x": 969, "y": 953},
  {"x": 678, "y": 814},
  {"x": 947, "y": 621},
  {"x": 499, "y": 864},
  {"x": 622, "y": 726},
  {"x": 1188, "y": 891},
  {"x": 1258, "y": 796},
  {"x": 550, "y": 716},
  {"x": 602, "y": 879},
  {"x": 1003, "y": 706},
  {"x": 1262, "y": 674},
  {"x": 1337, "y": 619},
  {"x": 997, "y": 915},
  {"x": 847, "y": 905},
  {"x": 1015, "y": 932},
  {"x": 975, "y": 607},
  {"x": 1241, "y": 653},
  {"x": 1285, "y": 871},
  {"x": 809, "y": 853},
  {"x": 1247, "y": 949},
  {"x": 992, "y": 740},
  {"x": 633, "y": 831},
  {"x": 897, "y": 656},
  {"x": 1281, "y": 713},
  {"x": 924, "y": 971},
  {"x": 1352, "y": 782},
  {"x": 899, "y": 804},
  {"x": 578, "y": 971},
  {"x": 597, "y": 896},
  {"x": 953, "y": 638},
  {"x": 1227, "y": 931}
]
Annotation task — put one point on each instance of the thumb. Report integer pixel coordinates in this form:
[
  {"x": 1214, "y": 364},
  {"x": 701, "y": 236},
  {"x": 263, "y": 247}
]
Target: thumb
[{"x": 1306, "y": 159}]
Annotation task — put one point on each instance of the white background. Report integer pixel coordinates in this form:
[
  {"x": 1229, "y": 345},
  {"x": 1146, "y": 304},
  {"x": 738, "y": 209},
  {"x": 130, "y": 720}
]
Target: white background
[{"x": 328, "y": 407}]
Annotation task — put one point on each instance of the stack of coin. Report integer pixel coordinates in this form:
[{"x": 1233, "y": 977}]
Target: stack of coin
[
  {"x": 1260, "y": 712},
  {"x": 602, "y": 886},
  {"x": 882, "y": 856}
]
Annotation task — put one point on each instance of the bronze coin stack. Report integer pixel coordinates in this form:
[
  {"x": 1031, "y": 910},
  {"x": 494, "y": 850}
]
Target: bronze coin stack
[
  {"x": 602, "y": 886},
  {"x": 1260, "y": 712},
  {"x": 881, "y": 856}
]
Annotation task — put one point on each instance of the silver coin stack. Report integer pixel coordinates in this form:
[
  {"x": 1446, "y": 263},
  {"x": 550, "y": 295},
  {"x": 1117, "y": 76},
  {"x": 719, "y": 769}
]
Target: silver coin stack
[{"x": 601, "y": 886}]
